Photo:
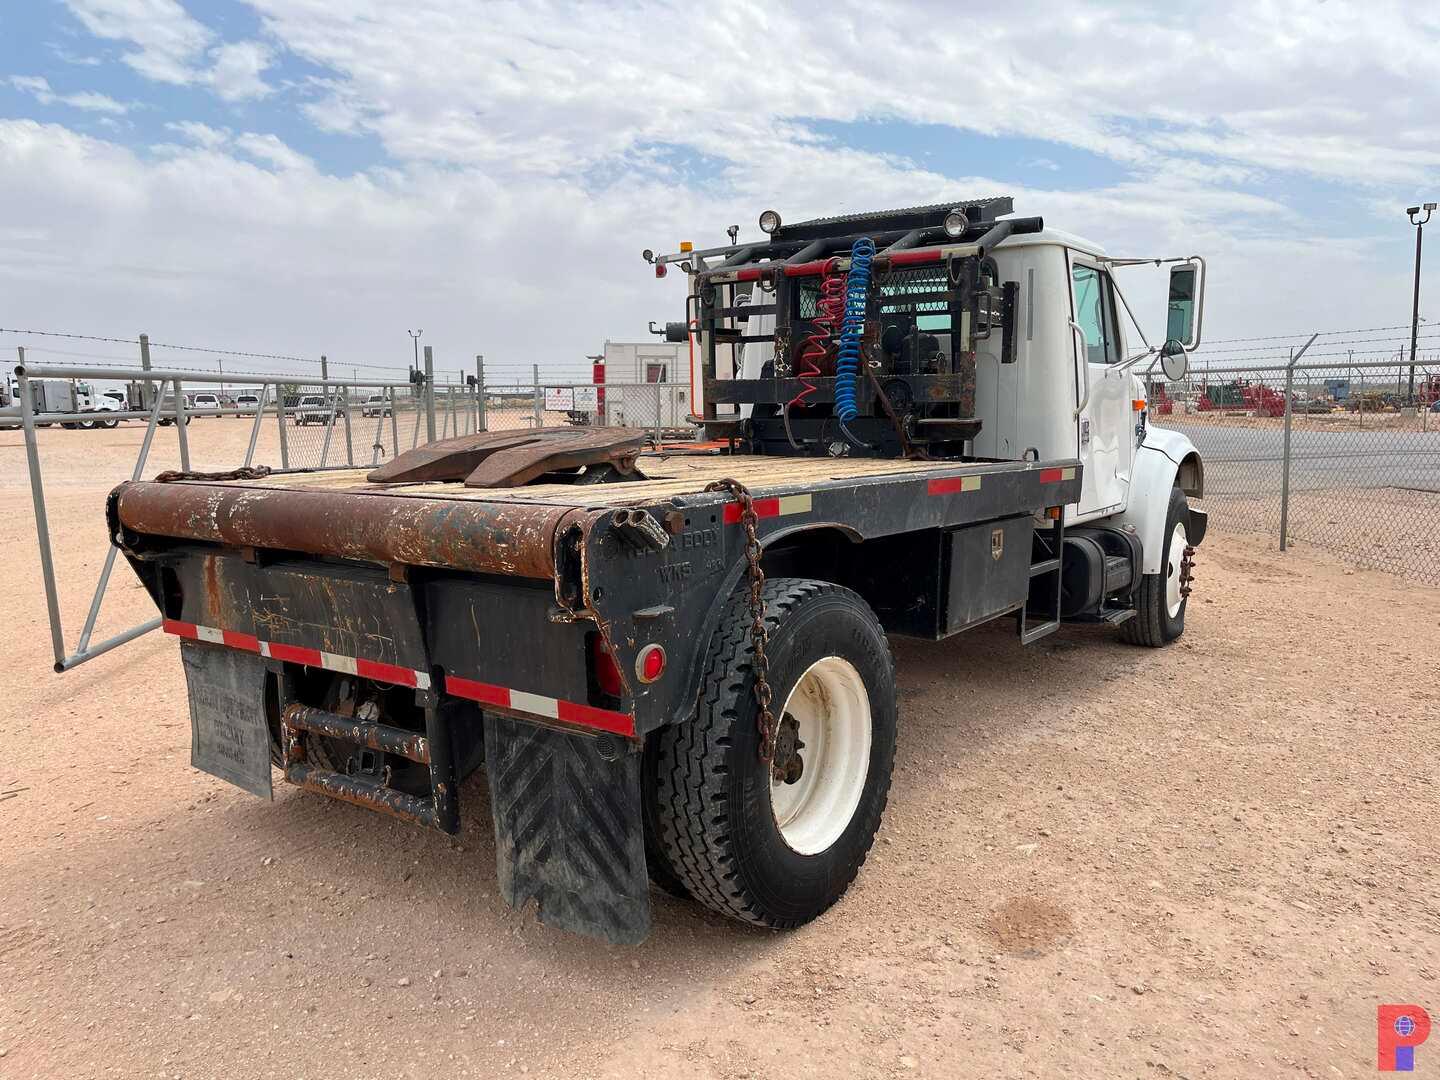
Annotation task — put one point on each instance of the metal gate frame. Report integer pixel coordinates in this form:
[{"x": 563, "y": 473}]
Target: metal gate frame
[{"x": 175, "y": 380}]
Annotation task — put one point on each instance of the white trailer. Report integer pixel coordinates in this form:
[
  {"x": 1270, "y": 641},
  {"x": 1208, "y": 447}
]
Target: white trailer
[{"x": 647, "y": 384}]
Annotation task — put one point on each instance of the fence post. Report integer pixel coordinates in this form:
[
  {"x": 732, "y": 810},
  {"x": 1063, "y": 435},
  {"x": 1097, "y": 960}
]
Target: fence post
[
  {"x": 657, "y": 414},
  {"x": 255, "y": 427},
  {"x": 349, "y": 444},
  {"x": 324, "y": 368},
  {"x": 280, "y": 417},
  {"x": 394, "y": 424},
  {"x": 1285, "y": 452},
  {"x": 182, "y": 419},
  {"x": 329, "y": 427},
  {"x": 539, "y": 397},
  {"x": 42, "y": 522},
  {"x": 145, "y": 387},
  {"x": 429, "y": 394},
  {"x": 479, "y": 391}
]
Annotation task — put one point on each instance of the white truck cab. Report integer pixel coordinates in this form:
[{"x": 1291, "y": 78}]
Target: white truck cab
[
  {"x": 1072, "y": 390},
  {"x": 1025, "y": 338}
]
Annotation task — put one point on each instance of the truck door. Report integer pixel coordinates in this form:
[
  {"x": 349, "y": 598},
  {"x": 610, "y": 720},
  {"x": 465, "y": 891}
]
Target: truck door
[{"x": 1103, "y": 433}]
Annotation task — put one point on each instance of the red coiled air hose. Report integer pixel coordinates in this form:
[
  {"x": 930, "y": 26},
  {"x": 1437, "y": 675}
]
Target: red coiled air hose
[{"x": 815, "y": 346}]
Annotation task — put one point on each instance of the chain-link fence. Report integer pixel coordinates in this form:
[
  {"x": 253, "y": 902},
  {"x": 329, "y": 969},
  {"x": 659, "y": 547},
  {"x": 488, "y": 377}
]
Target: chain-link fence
[
  {"x": 1351, "y": 465},
  {"x": 661, "y": 408}
]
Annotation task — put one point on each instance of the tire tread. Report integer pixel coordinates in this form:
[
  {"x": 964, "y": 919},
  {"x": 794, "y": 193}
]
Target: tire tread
[{"x": 691, "y": 784}]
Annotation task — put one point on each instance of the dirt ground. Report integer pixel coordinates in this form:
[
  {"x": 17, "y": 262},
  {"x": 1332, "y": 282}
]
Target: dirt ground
[{"x": 1098, "y": 861}]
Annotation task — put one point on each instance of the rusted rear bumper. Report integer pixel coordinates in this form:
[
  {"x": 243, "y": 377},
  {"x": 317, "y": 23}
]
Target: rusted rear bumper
[{"x": 509, "y": 538}]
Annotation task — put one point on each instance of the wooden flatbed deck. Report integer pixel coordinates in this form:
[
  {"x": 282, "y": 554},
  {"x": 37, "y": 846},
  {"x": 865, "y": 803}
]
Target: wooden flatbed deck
[{"x": 666, "y": 475}]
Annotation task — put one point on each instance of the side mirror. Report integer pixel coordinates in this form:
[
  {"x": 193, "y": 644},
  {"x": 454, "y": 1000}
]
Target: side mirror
[
  {"x": 1186, "y": 304},
  {"x": 1174, "y": 360}
]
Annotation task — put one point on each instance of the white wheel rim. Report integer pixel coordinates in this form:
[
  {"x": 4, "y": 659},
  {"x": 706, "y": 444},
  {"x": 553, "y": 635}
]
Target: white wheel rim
[
  {"x": 832, "y": 707},
  {"x": 1175, "y": 557}
]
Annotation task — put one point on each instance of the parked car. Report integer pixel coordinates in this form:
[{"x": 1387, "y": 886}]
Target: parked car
[
  {"x": 247, "y": 402},
  {"x": 205, "y": 401},
  {"x": 315, "y": 409},
  {"x": 375, "y": 405}
]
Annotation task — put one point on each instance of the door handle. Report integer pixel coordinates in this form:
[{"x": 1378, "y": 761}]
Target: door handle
[{"x": 1084, "y": 366}]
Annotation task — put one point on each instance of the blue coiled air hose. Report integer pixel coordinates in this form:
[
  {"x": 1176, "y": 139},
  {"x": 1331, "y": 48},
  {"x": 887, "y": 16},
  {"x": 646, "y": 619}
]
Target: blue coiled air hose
[{"x": 847, "y": 359}]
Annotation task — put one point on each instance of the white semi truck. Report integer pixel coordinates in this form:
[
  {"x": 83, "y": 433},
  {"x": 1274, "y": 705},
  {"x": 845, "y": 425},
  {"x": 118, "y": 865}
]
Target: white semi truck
[{"x": 674, "y": 666}]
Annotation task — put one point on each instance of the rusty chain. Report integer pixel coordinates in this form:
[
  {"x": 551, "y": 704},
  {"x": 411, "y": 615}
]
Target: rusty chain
[
  {"x": 1187, "y": 570},
  {"x": 759, "y": 635},
  {"x": 248, "y": 472}
]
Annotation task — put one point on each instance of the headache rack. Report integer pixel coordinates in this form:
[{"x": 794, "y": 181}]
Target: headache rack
[{"x": 854, "y": 334}]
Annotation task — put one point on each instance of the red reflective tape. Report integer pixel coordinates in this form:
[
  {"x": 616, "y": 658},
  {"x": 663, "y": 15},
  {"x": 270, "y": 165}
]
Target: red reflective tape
[
  {"x": 485, "y": 693},
  {"x": 905, "y": 258},
  {"x": 386, "y": 673},
  {"x": 945, "y": 485},
  {"x": 1051, "y": 476},
  {"x": 179, "y": 629},
  {"x": 236, "y": 640},
  {"x": 763, "y": 508},
  {"x": 748, "y": 275},
  {"x": 295, "y": 654},
  {"x": 573, "y": 712}
]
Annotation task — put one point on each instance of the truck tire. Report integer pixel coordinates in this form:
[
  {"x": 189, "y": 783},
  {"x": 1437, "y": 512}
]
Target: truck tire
[
  {"x": 657, "y": 863},
  {"x": 1159, "y": 607},
  {"x": 771, "y": 853}
]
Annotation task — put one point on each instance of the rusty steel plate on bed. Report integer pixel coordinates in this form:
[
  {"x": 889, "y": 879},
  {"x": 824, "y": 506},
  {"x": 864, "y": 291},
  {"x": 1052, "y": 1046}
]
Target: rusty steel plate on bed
[{"x": 501, "y": 459}]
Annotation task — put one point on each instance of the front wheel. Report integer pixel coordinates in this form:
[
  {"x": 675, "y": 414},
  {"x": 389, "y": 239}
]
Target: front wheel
[
  {"x": 1161, "y": 598},
  {"x": 768, "y": 851}
]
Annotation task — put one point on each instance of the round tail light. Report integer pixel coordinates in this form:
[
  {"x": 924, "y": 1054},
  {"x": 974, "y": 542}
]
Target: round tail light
[{"x": 650, "y": 663}]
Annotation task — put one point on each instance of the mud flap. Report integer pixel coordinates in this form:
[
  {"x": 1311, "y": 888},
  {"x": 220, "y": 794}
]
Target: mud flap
[
  {"x": 229, "y": 733},
  {"x": 567, "y": 830}
]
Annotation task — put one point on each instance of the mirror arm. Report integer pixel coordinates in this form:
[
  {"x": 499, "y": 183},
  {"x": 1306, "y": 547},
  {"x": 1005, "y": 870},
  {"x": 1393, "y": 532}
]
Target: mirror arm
[
  {"x": 1129, "y": 362},
  {"x": 1115, "y": 286}
]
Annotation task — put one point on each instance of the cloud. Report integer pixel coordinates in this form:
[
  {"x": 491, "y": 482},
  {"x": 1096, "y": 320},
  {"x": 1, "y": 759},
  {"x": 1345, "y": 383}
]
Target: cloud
[
  {"x": 77, "y": 59},
  {"x": 271, "y": 150},
  {"x": 39, "y": 87},
  {"x": 168, "y": 42},
  {"x": 240, "y": 240},
  {"x": 201, "y": 134},
  {"x": 521, "y": 160},
  {"x": 237, "y": 68},
  {"x": 1284, "y": 86},
  {"x": 170, "y": 46}
]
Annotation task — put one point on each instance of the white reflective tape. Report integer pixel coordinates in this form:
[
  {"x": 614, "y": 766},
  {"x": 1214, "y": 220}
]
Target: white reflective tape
[
  {"x": 794, "y": 504},
  {"x": 265, "y": 649},
  {"x": 422, "y": 681},
  {"x": 970, "y": 483},
  {"x": 210, "y": 633},
  {"x": 335, "y": 662},
  {"x": 534, "y": 703}
]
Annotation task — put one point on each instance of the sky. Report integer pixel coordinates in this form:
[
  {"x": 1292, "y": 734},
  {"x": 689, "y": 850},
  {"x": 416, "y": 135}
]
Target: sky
[{"x": 301, "y": 177}]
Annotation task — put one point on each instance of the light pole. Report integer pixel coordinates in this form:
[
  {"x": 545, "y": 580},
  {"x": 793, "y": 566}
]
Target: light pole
[
  {"x": 415, "y": 340},
  {"x": 1413, "y": 213}
]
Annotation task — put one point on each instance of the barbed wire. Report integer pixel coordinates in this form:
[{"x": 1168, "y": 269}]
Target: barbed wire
[{"x": 1307, "y": 333}]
